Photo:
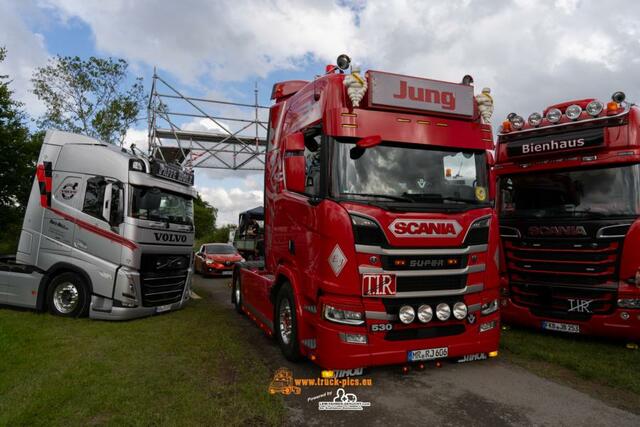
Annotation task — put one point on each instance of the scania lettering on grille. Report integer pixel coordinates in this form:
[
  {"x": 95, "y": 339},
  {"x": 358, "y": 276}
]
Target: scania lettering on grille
[
  {"x": 444, "y": 228},
  {"x": 557, "y": 230}
]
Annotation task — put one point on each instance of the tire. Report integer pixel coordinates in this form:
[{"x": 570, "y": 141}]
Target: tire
[
  {"x": 68, "y": 295},
  {"x": 236, "y": 292},
  {"x": 286, "y": 324}
]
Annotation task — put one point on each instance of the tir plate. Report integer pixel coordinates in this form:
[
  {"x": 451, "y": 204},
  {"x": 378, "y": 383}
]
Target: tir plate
[
  {"x": 428, "y": 354},
  {"x": 227, "y": 273},
  {"x": 561, "y": 327},
  {"x": 163, "y": 308}
]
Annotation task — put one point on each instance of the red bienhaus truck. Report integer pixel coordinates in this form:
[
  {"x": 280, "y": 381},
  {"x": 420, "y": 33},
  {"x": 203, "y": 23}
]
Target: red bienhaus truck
[
  {"x": 569, "y": 184},
  {"x": 381, "y": 244}
]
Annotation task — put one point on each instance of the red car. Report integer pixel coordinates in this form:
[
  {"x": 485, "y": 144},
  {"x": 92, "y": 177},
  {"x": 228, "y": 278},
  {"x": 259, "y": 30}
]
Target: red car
[{"x": 216, "y": 259}]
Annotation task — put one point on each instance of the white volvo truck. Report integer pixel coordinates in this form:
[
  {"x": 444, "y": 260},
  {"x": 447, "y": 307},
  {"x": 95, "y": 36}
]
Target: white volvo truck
[{"x": 106, "y": 234}]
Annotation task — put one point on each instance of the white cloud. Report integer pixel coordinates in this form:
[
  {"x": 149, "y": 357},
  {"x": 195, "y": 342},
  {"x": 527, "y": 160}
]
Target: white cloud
[
  {"x": 25, "y": 52},
  {"x": 230, "y": 202}
]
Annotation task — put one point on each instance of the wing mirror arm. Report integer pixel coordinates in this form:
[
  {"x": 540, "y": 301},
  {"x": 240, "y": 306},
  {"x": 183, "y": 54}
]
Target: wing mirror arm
[{"x": 362, "y": 145}]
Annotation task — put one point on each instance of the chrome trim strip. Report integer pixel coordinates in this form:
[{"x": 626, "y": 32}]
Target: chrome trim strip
[
  {"x": 613, "y": 236},
  {"x": 516, "y": 235},
  {"x": 377, "y": 250},
  {"x": 547, "y": 127},
  {"x": 259, "y": 315},
  {"x": 379, "y": 315},
  {"x": 470, "y": 289},
  {"x": 476, "y": 268}
]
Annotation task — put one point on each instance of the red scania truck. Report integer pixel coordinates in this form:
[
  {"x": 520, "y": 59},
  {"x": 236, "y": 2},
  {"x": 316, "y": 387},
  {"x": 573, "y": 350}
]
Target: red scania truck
[
  {"x": 381, "y": 244},
  {"x": 569, "y": 200}
]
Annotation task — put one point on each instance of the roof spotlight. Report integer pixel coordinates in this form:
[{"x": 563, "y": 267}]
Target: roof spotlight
[
  {"x": 343, "y": 61},
  {"x": 517, "y": 122},
  {"x": 594, "y": 108},
  {"x": 467, "y": 80},
  {"x": 618, "y": 97},
  {"x": 573, "y": 111},
  {"x": 554, "y": 115},
  {"x": 535, "y": 119}
]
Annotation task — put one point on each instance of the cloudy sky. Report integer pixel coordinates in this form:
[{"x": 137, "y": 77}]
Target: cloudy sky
[{"x": 530, "y": 53}]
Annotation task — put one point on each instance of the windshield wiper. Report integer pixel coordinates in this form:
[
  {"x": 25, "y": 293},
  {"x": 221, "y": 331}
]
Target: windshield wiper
[
  {"x": 380, "y": 196},
  {"x": 438, "y": 197}
]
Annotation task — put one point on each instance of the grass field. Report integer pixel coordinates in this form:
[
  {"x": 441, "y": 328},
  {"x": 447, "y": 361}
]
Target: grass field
[
  {"x": 607, "y": 363},
  {"x": 184, "y": 368}
]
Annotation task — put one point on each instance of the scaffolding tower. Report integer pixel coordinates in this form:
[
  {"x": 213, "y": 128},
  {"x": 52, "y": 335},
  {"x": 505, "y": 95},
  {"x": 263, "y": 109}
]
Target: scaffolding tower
[{"x": 205, "y": 133}]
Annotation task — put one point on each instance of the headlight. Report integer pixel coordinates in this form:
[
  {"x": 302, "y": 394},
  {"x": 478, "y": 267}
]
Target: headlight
[
  {"x": 242, "y": 260},
  {"x": 573, "y": 111},
  {"x": 516, "y": 121},
  {"x": 406, "y": 314},
  {"x": 629, "y": 302},
  {"x": 554, "y": 115},
  {"x": 594, "y": 108},
  {"x": 209, "y": 261},
  {"x": 425, "y": 313},
  {"x": 443, "y": 311},
  {"x": 459, "y": 310},
  {"x": 489, "y": 307},
  {"x": 346, "y": 317},
  {"x": 535, "y": 119}
]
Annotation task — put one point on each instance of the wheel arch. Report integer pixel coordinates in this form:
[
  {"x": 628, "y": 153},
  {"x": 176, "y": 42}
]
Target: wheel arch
[{"x": 54, "y": 271}]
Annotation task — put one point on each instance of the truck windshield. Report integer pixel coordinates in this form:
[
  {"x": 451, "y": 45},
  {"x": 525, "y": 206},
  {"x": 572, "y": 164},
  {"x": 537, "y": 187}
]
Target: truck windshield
[
  {"x": 411, "y": 174},
  {"x": 155, "y": 204},
  {"x": 577, "y": 193}
]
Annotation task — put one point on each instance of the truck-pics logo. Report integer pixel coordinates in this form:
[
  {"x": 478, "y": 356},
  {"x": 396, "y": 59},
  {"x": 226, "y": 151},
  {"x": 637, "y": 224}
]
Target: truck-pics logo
[
  {"x": 166, "y": 237},
  {"x": 557, "y": 230},
  {"x": 378, "y": 284},
  {"x": 425, "y": 228}
]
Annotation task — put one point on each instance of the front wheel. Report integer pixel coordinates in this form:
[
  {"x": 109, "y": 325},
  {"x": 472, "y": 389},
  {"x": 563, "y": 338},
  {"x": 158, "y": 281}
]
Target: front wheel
[
  {"x": 236, "y": 292},
  {"x": 286, "y": 324},
  {"x": 68, "y": 296}
]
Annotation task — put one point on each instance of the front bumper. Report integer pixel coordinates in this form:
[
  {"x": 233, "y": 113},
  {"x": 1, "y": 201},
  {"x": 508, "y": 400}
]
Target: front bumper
[
  {"x": 216, "y": 270},
  {"x": 126, "y": 313},
  {"x": 333, "y": 353},
  {"x": 611, "y": 325}
]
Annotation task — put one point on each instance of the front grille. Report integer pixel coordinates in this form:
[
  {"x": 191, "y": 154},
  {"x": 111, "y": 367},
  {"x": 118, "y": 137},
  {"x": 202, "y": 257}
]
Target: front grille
[
  {"x": 564, "y": 302},
  {"x": 557, "y": 262},
  {"x": 430, "y": 283},
  {"x": 163, "y": 278}
]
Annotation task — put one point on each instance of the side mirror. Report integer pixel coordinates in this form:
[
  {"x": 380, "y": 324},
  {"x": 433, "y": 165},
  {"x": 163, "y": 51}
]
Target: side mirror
[
  {"x": 106, "y": 204},
  {"x": 294, "y": 142},
  {"x": 490, "y": 158},
  {"x": 364, "y": 143},
  {"x": 294, "y": 172}
]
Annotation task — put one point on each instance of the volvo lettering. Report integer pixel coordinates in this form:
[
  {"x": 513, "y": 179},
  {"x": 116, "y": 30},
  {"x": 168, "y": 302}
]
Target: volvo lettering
[{"x": 381, "y": 244}]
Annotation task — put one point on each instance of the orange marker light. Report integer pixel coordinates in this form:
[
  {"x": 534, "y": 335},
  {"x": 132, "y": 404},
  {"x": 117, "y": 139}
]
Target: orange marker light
[
  {"x": 447, "y": 172},
  {"x": 399, "y": 262},
  {"x": 452, "y": 261},
  {"x": 506, "y": 126},
  {"x": 612, "y": 107}
]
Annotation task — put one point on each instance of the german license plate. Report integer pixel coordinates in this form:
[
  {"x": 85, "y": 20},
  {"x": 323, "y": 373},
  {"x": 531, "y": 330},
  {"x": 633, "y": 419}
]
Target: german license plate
[
  {"x": 227, "y": 272},
  {"x": 162, "y": 308},
  {"x": 561, "y": 327},
  {"x": 428, "y": 354}
]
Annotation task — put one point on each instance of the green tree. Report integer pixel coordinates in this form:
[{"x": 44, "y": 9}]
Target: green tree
[
  {"x": 90, "y": 96},
  {"x": 18, "y": 155},
  {"x": 204, "y": 218}
]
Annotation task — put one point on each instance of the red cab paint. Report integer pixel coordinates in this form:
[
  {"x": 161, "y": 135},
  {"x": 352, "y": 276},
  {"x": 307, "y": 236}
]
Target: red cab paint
[
  {"x": 568, "y": 206},
  {"x": 355, "y": 230}
]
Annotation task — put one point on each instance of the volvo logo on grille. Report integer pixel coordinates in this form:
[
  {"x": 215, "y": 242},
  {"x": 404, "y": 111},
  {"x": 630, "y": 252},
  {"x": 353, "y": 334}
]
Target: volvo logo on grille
[
  {"x": 170, "y": 262},
  {"x": 557, "y": 230}
]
